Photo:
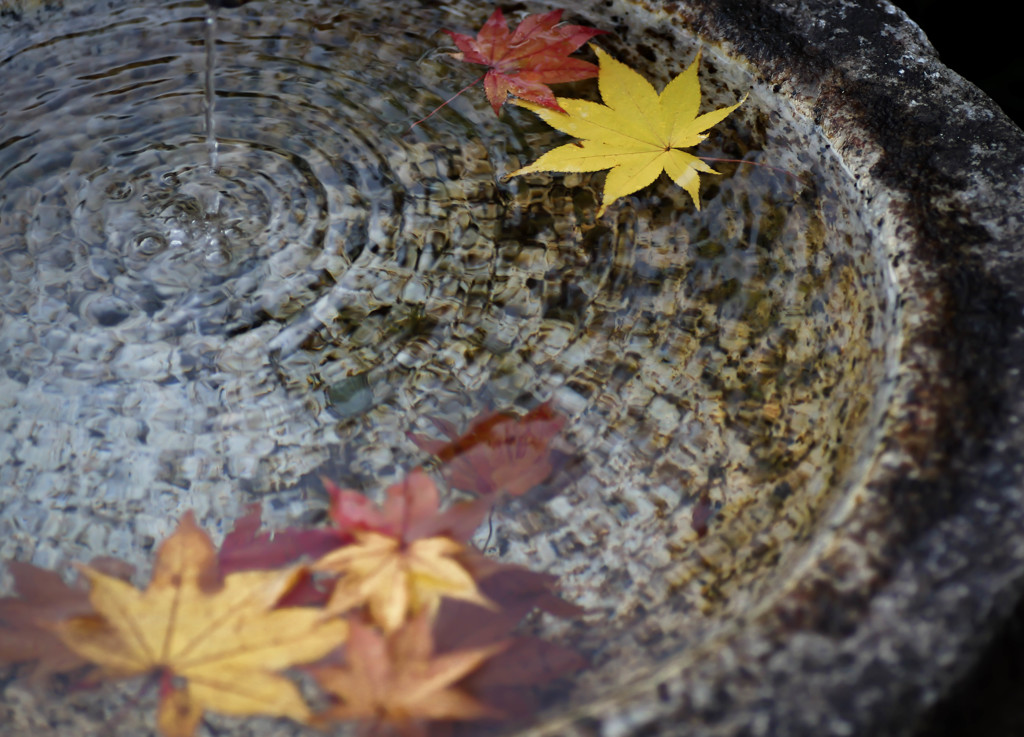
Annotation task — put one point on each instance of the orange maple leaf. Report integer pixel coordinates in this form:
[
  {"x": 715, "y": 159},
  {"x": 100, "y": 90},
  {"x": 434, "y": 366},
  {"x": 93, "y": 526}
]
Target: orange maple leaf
[
  {"x": 220, "y": 635},
  {"x": 397, "y": 680},
  {"x": 399, "y": 566},
  {"x": 498, "y": 452},
  {"x": 525, "y": 62},
  {"x": 396, "y": 579}
]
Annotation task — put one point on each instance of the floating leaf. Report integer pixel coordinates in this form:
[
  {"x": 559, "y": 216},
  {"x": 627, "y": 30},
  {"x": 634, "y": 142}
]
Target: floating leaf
[
  {"x": 525, "y": 62},
  {"x": 636, "y": 133}
]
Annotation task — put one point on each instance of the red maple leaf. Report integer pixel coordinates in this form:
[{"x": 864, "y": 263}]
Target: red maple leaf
[
  {"x": 247, "y": 548},
  {"x": 410, "y": 511},
  {"x": 512, "y": 681},
  {"x": 26, "y": 621},
  {"x": 498, "y": 452},
  {"x": 523, "y": 63}
]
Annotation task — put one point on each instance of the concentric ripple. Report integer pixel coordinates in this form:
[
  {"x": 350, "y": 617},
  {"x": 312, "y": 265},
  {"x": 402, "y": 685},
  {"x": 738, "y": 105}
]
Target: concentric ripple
[{"x": 177, "y": 334}]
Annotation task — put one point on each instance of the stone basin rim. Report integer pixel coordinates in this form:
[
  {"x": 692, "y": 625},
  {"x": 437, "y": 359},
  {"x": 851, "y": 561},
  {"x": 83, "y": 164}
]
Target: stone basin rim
[{"x": 928, "y": 561}]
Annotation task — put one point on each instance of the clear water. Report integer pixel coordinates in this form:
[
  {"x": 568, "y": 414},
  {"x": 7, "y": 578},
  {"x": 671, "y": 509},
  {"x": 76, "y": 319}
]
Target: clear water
[
  {"x": 206, "y": 298},
  {"x": 210, "y": 77}
]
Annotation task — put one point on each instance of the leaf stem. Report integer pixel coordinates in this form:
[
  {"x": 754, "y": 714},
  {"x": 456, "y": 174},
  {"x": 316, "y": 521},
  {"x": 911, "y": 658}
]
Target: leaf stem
[
  {"x": 431, "y": 113},
  {"x": 752, "y": 163}
]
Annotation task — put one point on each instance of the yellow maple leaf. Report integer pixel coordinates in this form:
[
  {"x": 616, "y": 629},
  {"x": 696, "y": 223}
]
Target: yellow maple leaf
[
  {"x": 397, "y": 579},
  {"x": 221, "y": 636},
  {"x": 397, "y": 680},
  {"x": 636, "y": 133}
]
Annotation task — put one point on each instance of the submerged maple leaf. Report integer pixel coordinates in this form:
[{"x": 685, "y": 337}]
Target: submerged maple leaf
[
  {"x": 411, "y": 511},
  {"x": 396, "y": 580},
  {"x": 498, "y": 452},
  {"x": 636, "y": 133},
  {"x": 222, "y": 636},
  {"x": 405, "y": 557},
  {"x": 397, "y": 680},
  {"x": 26, "y": 621},
  {"x": 513, "y": 680},
  {"x": 525, "y": 62},
  {"x": 247, "y": 548}
]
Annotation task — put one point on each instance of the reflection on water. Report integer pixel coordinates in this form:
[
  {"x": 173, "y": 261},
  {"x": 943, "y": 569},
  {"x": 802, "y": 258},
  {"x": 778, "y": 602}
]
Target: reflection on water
[{"x": 184, "y": 324}]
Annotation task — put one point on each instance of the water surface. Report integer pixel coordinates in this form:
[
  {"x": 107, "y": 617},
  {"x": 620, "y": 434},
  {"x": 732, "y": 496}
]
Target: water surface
[{"x": 177, "y": 335}]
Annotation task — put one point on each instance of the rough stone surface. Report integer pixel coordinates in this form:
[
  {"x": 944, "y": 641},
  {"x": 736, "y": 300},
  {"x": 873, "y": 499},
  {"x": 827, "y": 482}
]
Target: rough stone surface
[{"x": 940, "y": 169}]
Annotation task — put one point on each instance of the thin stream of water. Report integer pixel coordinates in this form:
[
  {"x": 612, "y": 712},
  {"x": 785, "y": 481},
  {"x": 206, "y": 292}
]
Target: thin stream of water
[{"x": 211, "y": 58}]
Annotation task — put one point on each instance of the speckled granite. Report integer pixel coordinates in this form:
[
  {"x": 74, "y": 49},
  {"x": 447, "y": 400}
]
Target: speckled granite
[{"x": 919, "y": 576}]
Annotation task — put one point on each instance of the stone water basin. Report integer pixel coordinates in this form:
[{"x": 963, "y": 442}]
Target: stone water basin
[{"x": 752, "y": 390}]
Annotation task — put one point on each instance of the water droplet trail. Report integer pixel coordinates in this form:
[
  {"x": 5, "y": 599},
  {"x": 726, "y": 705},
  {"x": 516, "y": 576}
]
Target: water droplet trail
[{"x": 211, "y": 92}]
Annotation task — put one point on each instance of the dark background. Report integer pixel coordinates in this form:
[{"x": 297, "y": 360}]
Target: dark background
[{"x": 979, "y": 41}]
